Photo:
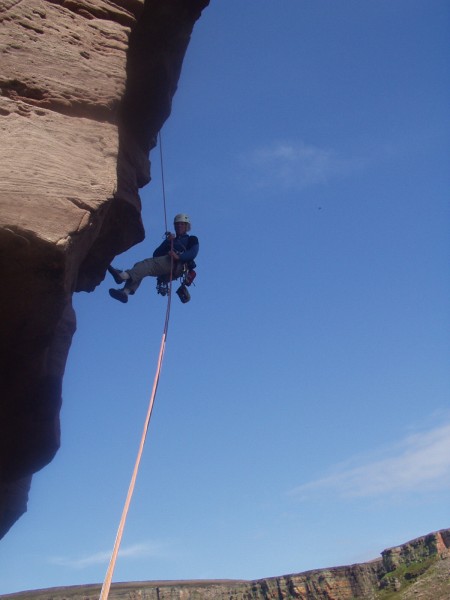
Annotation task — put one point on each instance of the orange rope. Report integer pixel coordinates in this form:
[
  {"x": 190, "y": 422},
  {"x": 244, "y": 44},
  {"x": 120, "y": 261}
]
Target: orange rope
[
  {"x": 112, "y": 563},
  {"x": 104, "y": 593}
]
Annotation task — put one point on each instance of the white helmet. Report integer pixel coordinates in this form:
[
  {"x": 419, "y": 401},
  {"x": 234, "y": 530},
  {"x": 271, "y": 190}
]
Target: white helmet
[{"x": 181, "y": 218}]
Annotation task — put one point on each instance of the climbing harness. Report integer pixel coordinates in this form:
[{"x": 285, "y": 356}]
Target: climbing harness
[
  {"x": 186, "y": 279},
  {"x": 104, "y": 593}
]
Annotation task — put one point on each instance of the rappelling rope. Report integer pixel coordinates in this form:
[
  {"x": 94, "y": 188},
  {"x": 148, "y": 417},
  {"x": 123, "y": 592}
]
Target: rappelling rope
[
  {"x": 162, "y": 181},
  {"x": 104, "y": 593}
]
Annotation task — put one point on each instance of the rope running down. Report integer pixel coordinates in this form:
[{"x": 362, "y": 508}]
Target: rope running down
[{"x": 112, "y": 563}]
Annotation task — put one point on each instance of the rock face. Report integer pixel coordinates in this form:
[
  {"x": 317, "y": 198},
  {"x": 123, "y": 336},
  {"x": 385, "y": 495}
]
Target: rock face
[
  {"x": 420, "y": 569},
  {"x": 417, "y": 550},
  {"x": 85, "y": 87}
]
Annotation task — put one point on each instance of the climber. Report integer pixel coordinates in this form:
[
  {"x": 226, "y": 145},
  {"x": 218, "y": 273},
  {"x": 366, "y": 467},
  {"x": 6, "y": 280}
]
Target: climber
[{"x": 177, "y": 251}]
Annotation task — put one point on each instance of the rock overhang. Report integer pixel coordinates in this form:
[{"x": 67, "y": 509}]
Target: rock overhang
[{"x": 85, "y": 87}]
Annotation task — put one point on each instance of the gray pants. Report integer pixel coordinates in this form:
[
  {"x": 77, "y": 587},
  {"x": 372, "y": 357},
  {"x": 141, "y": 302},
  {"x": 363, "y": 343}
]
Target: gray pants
[{"x": 153, "y": 267}]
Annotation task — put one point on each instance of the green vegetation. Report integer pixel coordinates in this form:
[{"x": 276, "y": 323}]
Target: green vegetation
[{"x": 403, "y": 576}]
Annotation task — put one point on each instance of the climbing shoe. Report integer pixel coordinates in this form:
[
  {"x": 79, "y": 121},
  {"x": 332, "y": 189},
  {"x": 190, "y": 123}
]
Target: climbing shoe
[
  {"x": 119, "y": 295},
  {"x": 116, "y": 274}
]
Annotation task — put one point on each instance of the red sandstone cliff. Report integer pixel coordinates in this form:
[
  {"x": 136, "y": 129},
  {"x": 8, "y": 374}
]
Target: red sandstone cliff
[
  {"x": 85, "y": 87},
  {"x": 419, "y": 570}
]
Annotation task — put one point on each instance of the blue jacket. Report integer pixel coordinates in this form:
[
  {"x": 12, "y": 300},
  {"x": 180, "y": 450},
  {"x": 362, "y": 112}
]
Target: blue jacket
[{"x": 186, "y": 246}]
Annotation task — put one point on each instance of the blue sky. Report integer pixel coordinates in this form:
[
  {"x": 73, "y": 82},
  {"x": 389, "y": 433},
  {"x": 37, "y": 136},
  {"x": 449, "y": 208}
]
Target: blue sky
[{"x": 302, "y": 419}]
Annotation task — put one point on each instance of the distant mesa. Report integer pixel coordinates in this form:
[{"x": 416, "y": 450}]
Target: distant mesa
[{"x": 419, "y": 569}]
